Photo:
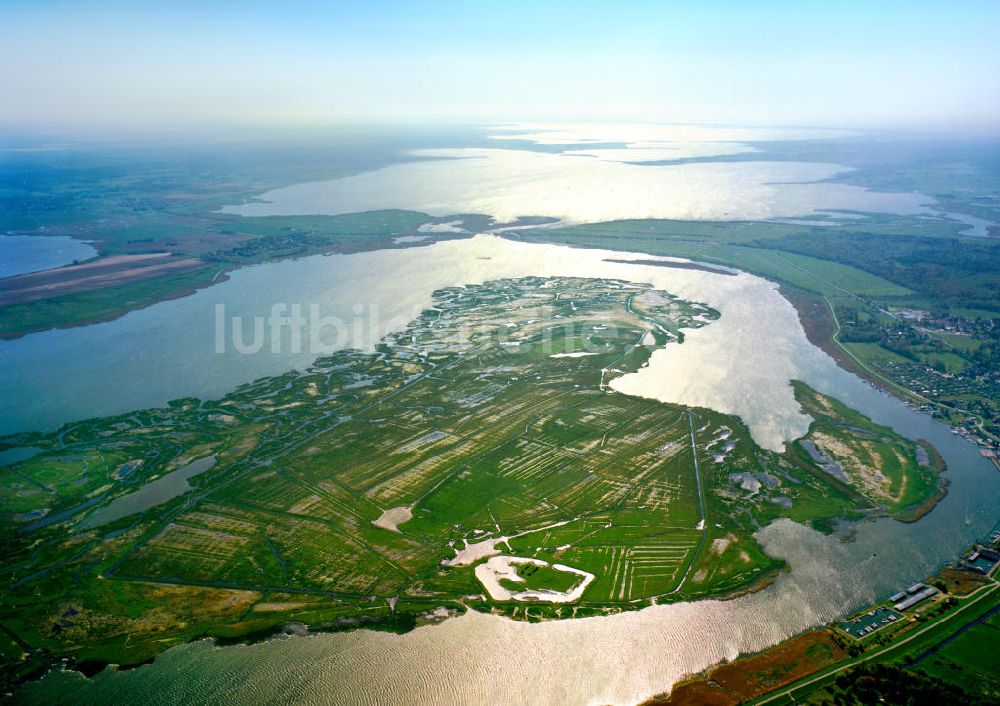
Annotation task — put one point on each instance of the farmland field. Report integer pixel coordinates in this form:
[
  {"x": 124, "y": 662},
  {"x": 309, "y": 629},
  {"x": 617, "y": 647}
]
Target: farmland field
[{"x": 366, "y": 489}]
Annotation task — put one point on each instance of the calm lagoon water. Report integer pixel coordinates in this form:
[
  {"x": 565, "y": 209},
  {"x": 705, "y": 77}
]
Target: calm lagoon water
[
  {"x": 151, "y": 494},
  {"x": 584, "y": 188},
  {"x": 476, "y": 658},
  {"x": 655, "y": 173},
  {"x": 20, "y": 254},
  {"x": 17, "y": 454},
  {"x": 977, "y": 226}
]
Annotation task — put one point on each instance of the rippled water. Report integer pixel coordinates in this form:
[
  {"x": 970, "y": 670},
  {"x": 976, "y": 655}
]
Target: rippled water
[
  {"x": 487, "y": 659},
  {"x": 478, "y": 659}
]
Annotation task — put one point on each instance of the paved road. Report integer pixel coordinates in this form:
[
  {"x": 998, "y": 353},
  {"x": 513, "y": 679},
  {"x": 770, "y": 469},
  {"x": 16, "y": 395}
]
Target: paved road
[
  {"x": 701, "y": 505},
  {"x": 969, "y": 601}
]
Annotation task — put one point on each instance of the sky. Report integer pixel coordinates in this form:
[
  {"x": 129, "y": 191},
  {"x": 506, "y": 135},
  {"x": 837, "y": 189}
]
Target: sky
[{"x": 91, "y": 64}]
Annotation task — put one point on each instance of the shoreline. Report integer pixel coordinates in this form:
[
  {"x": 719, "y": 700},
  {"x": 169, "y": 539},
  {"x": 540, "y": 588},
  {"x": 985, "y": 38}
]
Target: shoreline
[
  {"x": 692, "y": 265},
  {"x": 709, "y": 684},
  {"x": 222, "y": 274},
  {"x": 279, "y": 628},
  {"x": 820, "y": 329},
  {"x": 940, "y": 467},
  {"x": 402, "y": 623},
  {"x": 398, "y": 623}
]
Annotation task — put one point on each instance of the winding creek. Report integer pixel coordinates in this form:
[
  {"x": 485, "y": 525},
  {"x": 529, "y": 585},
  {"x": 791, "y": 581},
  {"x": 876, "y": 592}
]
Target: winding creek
[{"x": 740, "y": 364}]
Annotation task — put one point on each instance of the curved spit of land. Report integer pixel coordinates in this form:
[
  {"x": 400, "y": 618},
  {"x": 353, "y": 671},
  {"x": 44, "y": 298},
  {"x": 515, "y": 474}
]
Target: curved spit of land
[{"x": 371, "y": 487}]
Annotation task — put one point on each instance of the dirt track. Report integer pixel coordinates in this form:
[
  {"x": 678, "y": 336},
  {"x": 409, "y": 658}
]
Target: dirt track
[{"x": 96, "y": 274}]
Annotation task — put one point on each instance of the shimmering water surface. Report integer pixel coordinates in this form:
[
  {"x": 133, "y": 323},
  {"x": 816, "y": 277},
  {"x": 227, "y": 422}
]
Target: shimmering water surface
[
  {"x": 740, "y": 364},
  {"x": 583, "y": 188},
  {"x": 743, "y": 363},
  {"x": 657, "y": 172}
]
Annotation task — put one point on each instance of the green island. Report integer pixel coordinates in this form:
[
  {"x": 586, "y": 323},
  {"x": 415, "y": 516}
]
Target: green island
[
  {"x": 907, "y": 302},
  {"x": 477, "y": 459},
  {"x": 902, "y": 476}
]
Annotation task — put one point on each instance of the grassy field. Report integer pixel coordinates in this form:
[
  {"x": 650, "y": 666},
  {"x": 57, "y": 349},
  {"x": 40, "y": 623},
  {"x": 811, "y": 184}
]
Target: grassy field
[
  {"x": 473, "y": 423},
  {"x": 947, "y": 659},
  {"x": 100, "y": 304},
  {"x": 887, "y": 469},
  {"x": 970, "y": 659},
  {"x": 736, "y": 682},
  {"x": 873, "y": 353},
  {"x": 678, "y": 240},
  {"x": 534, "y": 577},
  {"x": 944, "y": 655}
]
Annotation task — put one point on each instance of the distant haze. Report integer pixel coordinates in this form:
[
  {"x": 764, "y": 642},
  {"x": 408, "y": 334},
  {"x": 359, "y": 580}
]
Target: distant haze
[{"x": 154, "y": 64}]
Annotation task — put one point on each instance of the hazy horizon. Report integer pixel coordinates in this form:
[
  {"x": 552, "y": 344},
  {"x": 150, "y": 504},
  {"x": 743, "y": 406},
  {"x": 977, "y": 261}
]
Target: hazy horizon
[{"x": 111, "y": 66}]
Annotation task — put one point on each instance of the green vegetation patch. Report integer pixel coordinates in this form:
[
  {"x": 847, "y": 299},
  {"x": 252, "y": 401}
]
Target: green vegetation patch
[
  {"x": 542, "y": 578},
  {"x": 879, "y": 464},
  {"x": 366, "y": 489}
]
